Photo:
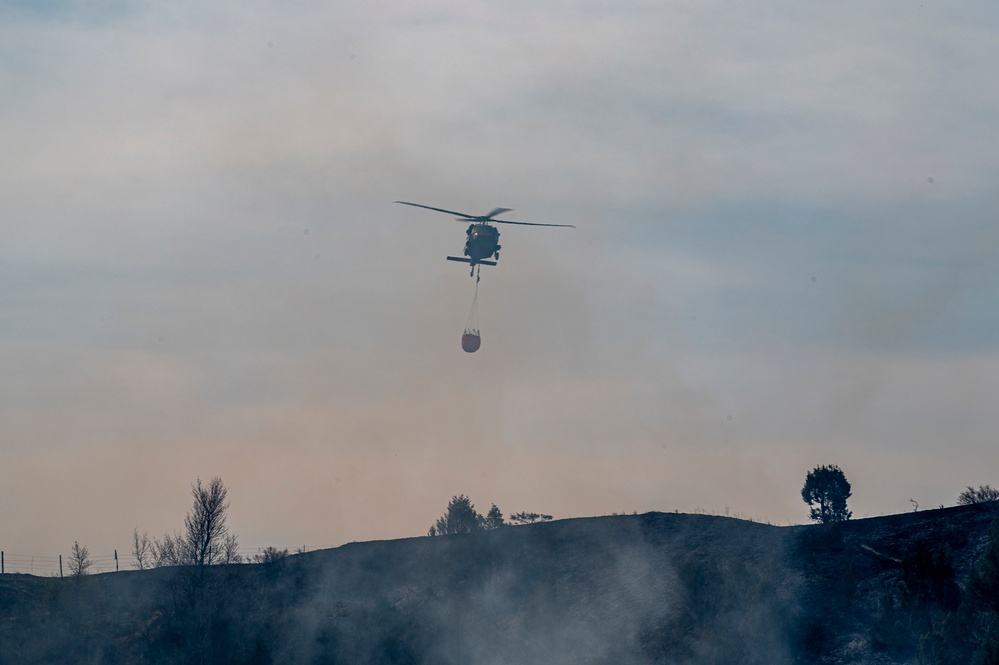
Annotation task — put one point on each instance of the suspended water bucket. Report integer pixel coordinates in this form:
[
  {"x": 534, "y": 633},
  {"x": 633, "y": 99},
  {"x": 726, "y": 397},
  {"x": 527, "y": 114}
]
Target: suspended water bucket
[{"x": 470, "y": 341}]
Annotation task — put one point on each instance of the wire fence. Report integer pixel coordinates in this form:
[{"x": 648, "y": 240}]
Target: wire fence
[{"x": 44, "y": 565}]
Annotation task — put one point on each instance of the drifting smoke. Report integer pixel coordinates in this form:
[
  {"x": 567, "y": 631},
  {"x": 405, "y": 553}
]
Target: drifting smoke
[{"x": 628, "y": 590}]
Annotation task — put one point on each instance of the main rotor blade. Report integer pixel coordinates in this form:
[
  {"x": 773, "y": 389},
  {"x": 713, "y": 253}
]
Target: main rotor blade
[
  {"x": 495, "y": 212},
  {"x": 482, "y": 218},
  {"x": 450, "y": 212},
  {"x": 503, "y": 221}
]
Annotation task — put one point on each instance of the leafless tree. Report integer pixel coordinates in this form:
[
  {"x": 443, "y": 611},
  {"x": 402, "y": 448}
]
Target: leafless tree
[
  {"x": 79, "y": 560},
  {"x": 205, "y": 526},
  {"x": 270, "y": 555},
  {"x": 169, "y": 551},
  {"x": 142, "y": 550},
  {"x": 230, "y": 550},
  {"x": 206, "y": 540},
  {"x": 983, "y": 494}
]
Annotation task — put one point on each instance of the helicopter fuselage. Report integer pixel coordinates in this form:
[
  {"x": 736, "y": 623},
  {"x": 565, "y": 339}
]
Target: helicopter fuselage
[{"x": 482, "y": 242}]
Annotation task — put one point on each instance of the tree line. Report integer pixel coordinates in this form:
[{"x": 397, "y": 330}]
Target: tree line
[
  {"x": 204, "y": 541},
  {"x": 826, "y": 490},
  {"x": 461, "y": 517},
  {"x": 207, "y": 541}
]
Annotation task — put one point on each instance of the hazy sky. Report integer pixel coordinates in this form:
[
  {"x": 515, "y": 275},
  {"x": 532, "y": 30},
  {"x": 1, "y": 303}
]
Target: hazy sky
[{"x": 786, "y": 255}]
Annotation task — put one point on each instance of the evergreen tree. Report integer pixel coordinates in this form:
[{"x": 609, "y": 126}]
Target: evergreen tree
[
  {"x": 493, "y": 519},
  {"x": 460, "y": 517},
  {"x": 826, "y": 491}
]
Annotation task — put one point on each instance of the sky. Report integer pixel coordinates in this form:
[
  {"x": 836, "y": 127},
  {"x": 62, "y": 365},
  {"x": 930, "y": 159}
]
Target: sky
[{"x": 785, "y": 256}]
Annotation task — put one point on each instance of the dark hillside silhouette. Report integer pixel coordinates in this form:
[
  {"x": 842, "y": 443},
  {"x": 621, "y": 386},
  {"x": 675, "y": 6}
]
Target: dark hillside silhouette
[{"x": 653, "y": 588}]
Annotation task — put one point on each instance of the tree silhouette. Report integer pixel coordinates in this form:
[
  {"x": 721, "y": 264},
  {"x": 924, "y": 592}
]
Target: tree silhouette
[
  {"x": 142, "y": 550},
  {"x": 493, "y": 519},
  {"x": 529, "y": 518},
  {"x": 169, "y": 551},
  {"x": 983, "y": 494},
  {"x": 206, "y": 540},
  {"x": 79, "y": 560},
  {"x": 269, "y": 555},
  {"x": 826, "y": 491},
  {"x": 206, "y": 533},
  {"x": 459, "y": 518}
]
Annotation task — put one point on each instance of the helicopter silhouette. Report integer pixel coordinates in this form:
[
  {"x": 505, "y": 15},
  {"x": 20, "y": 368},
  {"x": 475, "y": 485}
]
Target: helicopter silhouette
[{"x": 482, "y": 239}]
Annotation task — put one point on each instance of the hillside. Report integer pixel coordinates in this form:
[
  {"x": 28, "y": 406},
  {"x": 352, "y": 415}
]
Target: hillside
[{"x": 653, "y": 588}]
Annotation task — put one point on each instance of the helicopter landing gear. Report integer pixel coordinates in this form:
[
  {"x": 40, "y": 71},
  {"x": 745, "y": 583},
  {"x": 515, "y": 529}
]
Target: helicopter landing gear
[{"x": 496, "y": 256}]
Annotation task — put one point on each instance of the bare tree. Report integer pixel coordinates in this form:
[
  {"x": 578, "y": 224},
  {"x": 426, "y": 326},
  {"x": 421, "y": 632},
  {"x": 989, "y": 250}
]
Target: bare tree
[
  {"x": 169, "y": 551},
  {"x": 142, "y": 550},
  {"x": 270, "y": 555},
  {"x": 206, "y": 540},
  {"x": 79, "y": 560},
  {"x": 205, "y": 526},
  {"x": 230, "y": 550},
  {"x": 983, "y": 494}
]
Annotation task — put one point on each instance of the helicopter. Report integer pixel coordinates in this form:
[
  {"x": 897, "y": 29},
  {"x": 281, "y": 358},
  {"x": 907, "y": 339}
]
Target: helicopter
[{"x": 482, "y": 240}]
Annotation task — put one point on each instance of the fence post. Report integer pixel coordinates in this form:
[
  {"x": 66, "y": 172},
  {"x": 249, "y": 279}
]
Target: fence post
[
  {"x": 60, "y": 565},
  {"x": 1, "y": 563},
  {"x": 116, "y": 561}
]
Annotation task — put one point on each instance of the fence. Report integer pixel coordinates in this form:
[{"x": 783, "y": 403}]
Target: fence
[{"x": 58, "y": 565}]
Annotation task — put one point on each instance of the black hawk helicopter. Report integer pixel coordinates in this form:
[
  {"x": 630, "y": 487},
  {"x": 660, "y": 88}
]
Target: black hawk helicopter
[{"x": 482, "y": 239}]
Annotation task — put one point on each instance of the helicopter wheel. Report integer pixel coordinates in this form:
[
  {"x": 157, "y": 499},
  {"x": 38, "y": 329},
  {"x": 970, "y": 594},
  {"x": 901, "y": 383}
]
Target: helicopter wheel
[{"x": 496, "y": 256}]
